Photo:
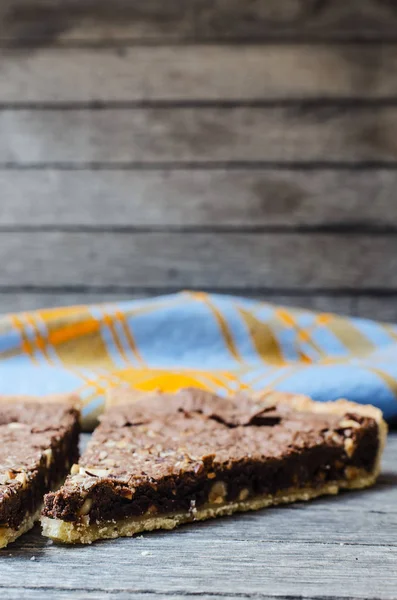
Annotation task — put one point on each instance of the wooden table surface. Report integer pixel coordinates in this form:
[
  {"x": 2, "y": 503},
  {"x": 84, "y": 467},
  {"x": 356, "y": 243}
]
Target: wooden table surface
[{"x": 336, "y": 547}]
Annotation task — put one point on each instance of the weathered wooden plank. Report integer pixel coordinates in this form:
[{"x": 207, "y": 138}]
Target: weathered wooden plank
[
  {"x": 199, "y": 198},
  {"x": 379, "y": 308},
  {"x": 199, "y": 135},
  {"x": 198, "y": 73},
  {"x": 22, "y": 301},
  {"x": 368, "y": 19},
  {"x": 170, "y": 563},
  {"x": 17, "y": 301},
  {"x": 183, "y": 565},
  {"x": 29, "y": 22},
  {"x": 223, "y": 260},
  {"x": 32, "y": 594}
]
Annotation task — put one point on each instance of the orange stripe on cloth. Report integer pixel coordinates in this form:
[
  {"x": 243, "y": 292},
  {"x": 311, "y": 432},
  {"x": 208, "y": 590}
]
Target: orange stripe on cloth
[
  {"x": 303, "y": 335},
  {"x": 171, "y": 381},
  {"x": 80, "y": 343},
  {"x": 109, "y": 321},
  {"x": 26, "y": 345},
  {"x": 128, "y": 334},
  {"x": 72, "y": 331},
  {"x": 40, "y": 342}
]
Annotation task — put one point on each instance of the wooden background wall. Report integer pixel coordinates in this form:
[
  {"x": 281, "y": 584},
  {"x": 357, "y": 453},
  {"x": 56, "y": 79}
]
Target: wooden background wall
[{"x": 244, "y": 146}]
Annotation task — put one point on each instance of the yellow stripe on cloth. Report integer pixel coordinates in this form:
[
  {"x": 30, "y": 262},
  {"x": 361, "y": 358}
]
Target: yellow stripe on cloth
[
  {"x": 222, "y": 322},
  {"x": 263, "y": 338}
]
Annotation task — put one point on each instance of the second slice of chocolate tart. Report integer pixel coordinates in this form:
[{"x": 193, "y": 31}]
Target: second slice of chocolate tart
[
  {"x": 38, "y": 443},
  {"x": 169, "y": 459}
]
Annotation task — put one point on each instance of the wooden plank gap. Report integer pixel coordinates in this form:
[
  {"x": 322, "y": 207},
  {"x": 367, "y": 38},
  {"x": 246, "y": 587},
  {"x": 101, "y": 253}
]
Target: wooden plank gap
[
  {"x": 258, "y": 292},
  {"x": 297, "y": 103},
  {"x": 216, "y": 165},
  {"x": 350, "y": 229}
]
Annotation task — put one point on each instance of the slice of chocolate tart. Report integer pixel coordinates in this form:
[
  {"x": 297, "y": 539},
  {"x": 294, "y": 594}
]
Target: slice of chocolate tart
[
  {"x": 169, "y": 459},
  {"x": 38, "y": 443}
]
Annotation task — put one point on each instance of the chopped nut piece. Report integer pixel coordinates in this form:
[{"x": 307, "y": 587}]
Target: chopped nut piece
[
  {"x": 94, "y": 471},
  {"x": 243, "y": 495},
  {"x": 48, "y": 457},
  {"x": 75, "y": 469},
  {"x": 151, "y": 510},
  {"x": 109, "y": 462},
  {"x": 199, "y": 468},
  {"x": 122, "y": 443},
  {"x": 127, "y": 493},
  {"x": 349, "y": 447},
  {"x": 22, "y": 478},
  {"x": 85, "y": 509},
  {"x": 335, "y": 437},
  {"x": 192, "y": 508},
  {"x": 352, "y": 472},
  {"x": 349, "y": 423},
  {"x": 211, "y": 476},
  {"x": 218, "y": 493}
]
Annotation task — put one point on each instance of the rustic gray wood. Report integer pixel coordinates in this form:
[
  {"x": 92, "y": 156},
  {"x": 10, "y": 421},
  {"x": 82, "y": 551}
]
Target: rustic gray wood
[
  {"x": 30, "y": 22},
  {"x": 297, "y": 19},
  {"x": 222, "y": 260},
  {"x": 199, "y": 135},
  {"x": 17, "y": 593},
  {"x": 198, "y": 73},
  {"x": 23, "y": 300},
  {"x": 68, "y": 22},
  {"x": 183, "y": 198},
  {"x": 20, "y": 300},
  {"x": 376, "y": 307},
  {"x": 340, "y": 547},
  {"x": 379, "y": 308}
]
